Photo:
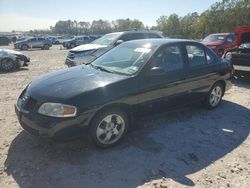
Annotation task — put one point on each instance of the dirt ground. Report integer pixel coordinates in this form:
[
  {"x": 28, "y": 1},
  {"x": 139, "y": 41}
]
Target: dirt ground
[{"x": 190, "y": 147}]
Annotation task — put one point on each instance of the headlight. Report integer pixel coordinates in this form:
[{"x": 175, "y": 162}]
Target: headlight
[
  {"x": 229, "y": 56},
  {"x": 57, "y": 110}
]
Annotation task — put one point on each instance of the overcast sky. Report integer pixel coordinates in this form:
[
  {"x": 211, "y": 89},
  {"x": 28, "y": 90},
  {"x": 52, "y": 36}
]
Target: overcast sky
[{"x": 40, "y": 14}]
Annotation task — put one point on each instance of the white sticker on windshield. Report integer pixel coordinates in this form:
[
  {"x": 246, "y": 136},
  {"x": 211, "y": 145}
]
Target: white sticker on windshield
[
  {"x": 142, "y": 50},
  {"x": 221, "y": 38}
]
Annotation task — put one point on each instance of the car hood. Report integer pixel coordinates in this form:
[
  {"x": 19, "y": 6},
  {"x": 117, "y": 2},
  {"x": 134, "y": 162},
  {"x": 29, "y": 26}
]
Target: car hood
[
  {"x": 71, "y": 82},
  {"x": 87, "y": 47},
  {"x": 212, "y": 43},
  {"x": 4, "y": 52}
]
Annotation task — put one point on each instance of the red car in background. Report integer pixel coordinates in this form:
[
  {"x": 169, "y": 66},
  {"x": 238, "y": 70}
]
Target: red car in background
[{"x": 220, "y": 42}]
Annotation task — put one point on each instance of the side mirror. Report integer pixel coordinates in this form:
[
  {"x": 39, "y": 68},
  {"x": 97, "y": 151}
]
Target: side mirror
[
  {"x": 156, "y": 71},
  {"x": 118, "y": 42}
]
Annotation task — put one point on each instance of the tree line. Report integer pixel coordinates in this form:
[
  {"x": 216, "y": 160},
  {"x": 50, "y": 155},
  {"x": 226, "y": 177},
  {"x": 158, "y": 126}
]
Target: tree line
[{"x": 222, "y": 16}]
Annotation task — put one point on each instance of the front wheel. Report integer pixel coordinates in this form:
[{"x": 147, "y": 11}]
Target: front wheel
[
  {"x": 214, "y": 96},
  {"x": 109, "y": 127},
  {"x": 8, "y": 65}
]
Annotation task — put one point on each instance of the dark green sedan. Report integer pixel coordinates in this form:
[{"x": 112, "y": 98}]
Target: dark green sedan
[{"x": 102, "y": 98}]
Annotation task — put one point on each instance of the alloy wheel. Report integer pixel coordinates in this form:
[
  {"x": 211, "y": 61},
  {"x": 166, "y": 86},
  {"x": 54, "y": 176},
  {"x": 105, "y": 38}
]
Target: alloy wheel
[
  {"x": 215, "y": 96},
  {"x": 110, "y": 129}
]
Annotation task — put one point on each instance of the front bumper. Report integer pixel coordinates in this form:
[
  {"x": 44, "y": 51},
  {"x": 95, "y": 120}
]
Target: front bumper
[
  {"x": 23, "y": 60},
  {"x": 70, "y": 63},
  {"x": 229, "y": 84},
  {"x": 49, "y": 127}
]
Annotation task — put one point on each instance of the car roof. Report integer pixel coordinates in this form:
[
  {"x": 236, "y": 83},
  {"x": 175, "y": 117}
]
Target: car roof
[
  {"x": 137, "y": 31},
  {"x": 160, "y": 41},
  {"x": 222, "y": 33}
]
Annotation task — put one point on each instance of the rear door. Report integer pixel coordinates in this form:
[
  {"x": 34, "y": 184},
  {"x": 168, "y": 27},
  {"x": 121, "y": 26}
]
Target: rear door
[
  {"x": 202, "y": 70},
  {"x": 40, "y": 42},
  {"x": 32, "y": 42},
  {"x": 166, "y": 88}
]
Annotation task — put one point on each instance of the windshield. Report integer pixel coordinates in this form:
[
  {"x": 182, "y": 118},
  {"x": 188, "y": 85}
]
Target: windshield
[
  {"x": 247, "y": 45},
  {"x": 107, "y": 39},
  {"x": 214, "y": 38},
  {"x": 125, "y": 59}
]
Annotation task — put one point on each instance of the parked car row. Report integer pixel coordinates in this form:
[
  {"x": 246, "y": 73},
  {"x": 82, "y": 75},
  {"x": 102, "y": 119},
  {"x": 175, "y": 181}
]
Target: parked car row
[{"x": 122, "y": 74}]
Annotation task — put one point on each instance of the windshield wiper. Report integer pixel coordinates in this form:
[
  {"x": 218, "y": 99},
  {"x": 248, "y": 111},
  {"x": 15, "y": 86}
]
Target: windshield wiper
[{"x": 100, "y": 68}]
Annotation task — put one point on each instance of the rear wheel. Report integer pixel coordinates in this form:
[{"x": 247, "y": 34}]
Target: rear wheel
[
  {"x": 45, "y": 47},
  {"x": 109, "y": 127},
  {"x": 214, "y": 96},
  {"x": 24, "y": 47},
  {"x": 8, "y": 65}
]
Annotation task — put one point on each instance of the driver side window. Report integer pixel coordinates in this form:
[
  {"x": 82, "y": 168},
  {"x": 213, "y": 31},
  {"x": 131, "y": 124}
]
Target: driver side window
[{"x": 169, "y": 58}]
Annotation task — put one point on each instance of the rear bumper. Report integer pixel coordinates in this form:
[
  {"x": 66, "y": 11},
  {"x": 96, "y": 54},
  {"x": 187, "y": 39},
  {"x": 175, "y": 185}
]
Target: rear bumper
[{"x": 241, "y": 68}]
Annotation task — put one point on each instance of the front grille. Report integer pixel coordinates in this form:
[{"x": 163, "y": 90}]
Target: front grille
[
  {"x": 71, "y": 55},
  {"x": 26, "y": 102}
]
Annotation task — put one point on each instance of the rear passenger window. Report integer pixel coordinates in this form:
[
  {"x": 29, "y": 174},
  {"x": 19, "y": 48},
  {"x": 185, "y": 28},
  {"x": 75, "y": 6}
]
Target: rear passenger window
[
  {"x": 196, "y": 55},
  {"x": 152, "y": 35},
  {"x": 169, "y": 58}
]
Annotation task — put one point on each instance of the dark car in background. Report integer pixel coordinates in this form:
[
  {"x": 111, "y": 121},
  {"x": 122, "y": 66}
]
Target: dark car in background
[
  {"x": 220, "y": 42},
  {"x": 11, "y": 60},
  {"x": 4, "y": 41},
  {"x": 240, "y": 55},
  {"x": 89, "y": 52},
  {"x": 33, "y": 42},
  {"x": 76, "y": 41},
  {"x": 101, "y": 98}
]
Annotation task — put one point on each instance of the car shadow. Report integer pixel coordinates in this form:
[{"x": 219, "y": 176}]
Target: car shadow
[
  {"x": 170, "y": 144},
  {"x": 17, "y": 70}
]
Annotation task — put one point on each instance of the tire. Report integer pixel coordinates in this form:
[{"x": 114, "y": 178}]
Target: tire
[
  {"x": 24, "y": 47},
  {"x": 8, "y": 65},
  {"x": 45, "y": 47},
  {"x": 72, "y": 45},
  {"x": 109, "y": 127},
  {"x": 214, "y": 96}
]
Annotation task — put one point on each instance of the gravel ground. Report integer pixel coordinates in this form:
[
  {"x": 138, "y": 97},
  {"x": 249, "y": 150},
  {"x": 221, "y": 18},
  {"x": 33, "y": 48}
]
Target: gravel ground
[{"x": 190, "y": 147}]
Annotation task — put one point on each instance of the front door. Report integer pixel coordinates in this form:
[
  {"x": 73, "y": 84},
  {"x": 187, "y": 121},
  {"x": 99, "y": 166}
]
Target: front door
[{"x": 166, "y": 87}]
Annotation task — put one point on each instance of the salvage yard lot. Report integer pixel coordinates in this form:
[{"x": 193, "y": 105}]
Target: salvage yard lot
[{"x": 190, "y": 146}]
